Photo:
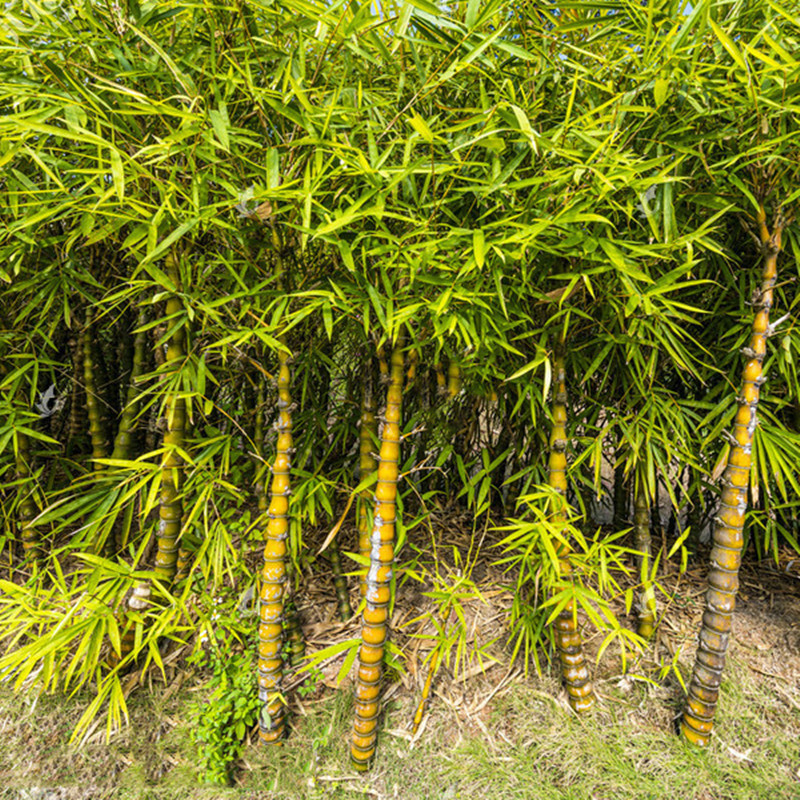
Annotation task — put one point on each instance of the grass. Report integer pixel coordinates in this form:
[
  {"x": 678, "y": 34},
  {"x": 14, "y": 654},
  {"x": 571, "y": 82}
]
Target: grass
[{"x": 523, "y": 744}]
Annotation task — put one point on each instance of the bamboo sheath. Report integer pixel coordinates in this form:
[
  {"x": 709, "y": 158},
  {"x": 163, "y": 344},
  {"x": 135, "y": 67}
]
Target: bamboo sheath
[
  {"x": 273, "y": 572},
  {"x": 641, "y": 532},
  {"x": 726, "y": 554},
  {"x": 171, "y": 505},
  {"x": 568, "y": 639},
  {"x": 374, "y": 628}
]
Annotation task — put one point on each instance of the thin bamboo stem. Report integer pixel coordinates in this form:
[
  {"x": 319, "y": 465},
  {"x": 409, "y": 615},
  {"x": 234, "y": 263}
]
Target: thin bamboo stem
[
  {"x": 97, "y": 430},
  {"x": 27, "y": 509},
  {"x": 568, "y": 639},
  {"x": 339, "y": 582},
  {"x": 641, "y": 531}
]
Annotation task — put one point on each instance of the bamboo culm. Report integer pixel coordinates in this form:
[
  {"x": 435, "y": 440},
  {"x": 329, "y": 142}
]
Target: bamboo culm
[
  {"x": 171, "y": 505},
  {"x": 641, "y": 530},
  {"x": 374, "y": 624},
  {"x": 368, "y": 436},
  {"x": 97, "y": 430},
  {"x": 273, "y": 572},
  {"x": 339, "y": 582},
  {"x": 123, "y": 441},
  {"x": 27, "y": 509},
  {"x": 568, "y": 639},
  {"x": 426, "y": 691},
  {"x": 726, "y": 553}
]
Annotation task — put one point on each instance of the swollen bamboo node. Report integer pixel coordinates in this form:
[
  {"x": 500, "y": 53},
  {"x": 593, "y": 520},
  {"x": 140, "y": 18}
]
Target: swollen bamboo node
[
  {"x": 726, "y": 555},
  {"x": 272, "y": 723},
  {"x": 574, "y": 671},
  {"x": 374, "y": 630}
]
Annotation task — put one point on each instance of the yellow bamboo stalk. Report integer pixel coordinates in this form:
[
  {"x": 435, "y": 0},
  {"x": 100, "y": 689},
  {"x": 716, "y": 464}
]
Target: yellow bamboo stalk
[
  {"x": 374, "y": 627},
  {"x": 726, "y": 554},
  {"x": 273, "y": 572}
]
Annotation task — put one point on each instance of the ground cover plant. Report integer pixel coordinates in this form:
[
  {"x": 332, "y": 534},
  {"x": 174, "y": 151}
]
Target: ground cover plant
[{"x": 287, "y": 284}]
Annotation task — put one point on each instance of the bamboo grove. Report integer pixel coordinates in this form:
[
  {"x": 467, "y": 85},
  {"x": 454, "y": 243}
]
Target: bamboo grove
[{"x": 275, "y": 267}]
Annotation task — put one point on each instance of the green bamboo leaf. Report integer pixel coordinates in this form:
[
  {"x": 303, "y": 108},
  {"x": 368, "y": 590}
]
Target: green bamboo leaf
[
  {"x": 421, "y": 127},
  {"x": 660, "y": 90},
  {"x": 117, "y": 173},
  {"x": 728, "y": 44},
  {"x": 219, "y": 122},
  {"x": 478, "y": 246}
]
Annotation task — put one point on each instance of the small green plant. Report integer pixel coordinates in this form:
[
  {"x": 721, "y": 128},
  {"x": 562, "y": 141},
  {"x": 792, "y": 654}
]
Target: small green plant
[
  {"x": 536, "y": 548},
  {"x": 222, "y": 721}
]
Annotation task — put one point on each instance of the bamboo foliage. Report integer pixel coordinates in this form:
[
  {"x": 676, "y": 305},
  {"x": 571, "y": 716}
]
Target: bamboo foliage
[{"x": 468, "y": 173}]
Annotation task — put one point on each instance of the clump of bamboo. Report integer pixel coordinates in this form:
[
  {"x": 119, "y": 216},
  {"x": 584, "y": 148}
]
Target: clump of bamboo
[
  {"x": 374, "y": 628},
  {"x": 726, "y": 554},
  {"x": 171, "y": 506},
  {"x": 568, "y": 639}
]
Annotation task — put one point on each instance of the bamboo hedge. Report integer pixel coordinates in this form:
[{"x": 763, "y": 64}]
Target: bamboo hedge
[{"x": 229, "y": 229}]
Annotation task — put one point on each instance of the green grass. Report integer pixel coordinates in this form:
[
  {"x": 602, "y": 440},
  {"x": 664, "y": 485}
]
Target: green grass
[{"x": 524, "y": 744}]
